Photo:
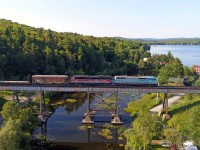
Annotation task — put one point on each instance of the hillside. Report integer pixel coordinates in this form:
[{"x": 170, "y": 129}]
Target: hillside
[{"x": 27, "y": 50}]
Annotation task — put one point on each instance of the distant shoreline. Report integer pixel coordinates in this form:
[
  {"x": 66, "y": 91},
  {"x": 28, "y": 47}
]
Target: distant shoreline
[{"x": 166, "y": 41}]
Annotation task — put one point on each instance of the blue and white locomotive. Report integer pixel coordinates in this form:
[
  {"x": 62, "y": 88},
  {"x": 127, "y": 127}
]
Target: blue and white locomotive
[{"x": 135, "y": 80}]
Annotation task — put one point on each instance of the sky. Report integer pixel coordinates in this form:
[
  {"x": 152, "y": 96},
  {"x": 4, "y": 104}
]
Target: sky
[{"x": 108, "y": 18}]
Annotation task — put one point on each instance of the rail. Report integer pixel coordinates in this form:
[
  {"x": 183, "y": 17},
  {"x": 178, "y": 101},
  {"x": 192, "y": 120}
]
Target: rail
[{"x": 106, "y": 88}]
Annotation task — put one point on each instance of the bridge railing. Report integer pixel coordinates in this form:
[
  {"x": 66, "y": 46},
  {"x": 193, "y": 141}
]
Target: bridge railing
[{"x": 159, "y": 89}]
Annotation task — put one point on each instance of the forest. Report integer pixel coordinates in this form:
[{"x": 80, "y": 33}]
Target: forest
[{"x": 27, "y": 50}]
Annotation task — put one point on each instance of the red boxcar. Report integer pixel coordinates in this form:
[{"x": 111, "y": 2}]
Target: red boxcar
[
  {"x": 49, "y": 79},
  {"x": 87, "y": 79}
]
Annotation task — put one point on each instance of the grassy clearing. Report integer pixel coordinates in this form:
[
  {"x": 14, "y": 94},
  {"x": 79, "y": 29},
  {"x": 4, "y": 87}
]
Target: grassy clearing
[
  {"x": 185, "y": 117},
  {"x": 187, "y": 102},
  {"x": 147, "y": 101},
  {"x": 6, "y": 92}
]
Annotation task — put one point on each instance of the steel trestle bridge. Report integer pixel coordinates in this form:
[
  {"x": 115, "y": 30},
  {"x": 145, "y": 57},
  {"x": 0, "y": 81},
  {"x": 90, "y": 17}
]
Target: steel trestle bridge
[{"x": 114, "y": 90}]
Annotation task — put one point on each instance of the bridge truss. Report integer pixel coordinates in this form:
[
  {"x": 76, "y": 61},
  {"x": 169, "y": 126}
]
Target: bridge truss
[{"x": 40, "y": 89}]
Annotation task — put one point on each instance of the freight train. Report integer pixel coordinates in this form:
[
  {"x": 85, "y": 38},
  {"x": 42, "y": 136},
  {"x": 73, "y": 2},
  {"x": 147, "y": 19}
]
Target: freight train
[{"x": 88, "y": 80}]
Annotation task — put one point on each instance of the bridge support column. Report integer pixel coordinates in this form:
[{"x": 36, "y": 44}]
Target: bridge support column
[
  {"x": 39, "y": 134},
  {"x": 116, "y": 119},
  {"x": 43, "y": 112},
  {"x": 42, "y": 102},
  {"x": 87, "y": 115},
  {"x": 165, "y": 107},
  {"x": 112, "y": 108},
  {"x": 23, "y": 101},
  {"x": 26, "y": 101},
  {"x": 15, "y": 97}
]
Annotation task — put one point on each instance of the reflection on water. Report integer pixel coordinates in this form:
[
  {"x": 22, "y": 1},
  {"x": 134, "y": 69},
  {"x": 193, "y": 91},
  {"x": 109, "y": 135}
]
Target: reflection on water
[{"x": 64, "y": 129}]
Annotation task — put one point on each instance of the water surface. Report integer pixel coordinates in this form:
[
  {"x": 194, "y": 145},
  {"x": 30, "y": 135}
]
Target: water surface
[
  {"x": 63, "y": 127},
  {"x": 188, "y": 54}
]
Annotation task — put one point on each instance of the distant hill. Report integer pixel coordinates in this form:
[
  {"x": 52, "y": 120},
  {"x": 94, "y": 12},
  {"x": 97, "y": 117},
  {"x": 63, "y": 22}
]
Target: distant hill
[
  {"x": 173, "y": 41},
  {"x": 136, "y": 39}
]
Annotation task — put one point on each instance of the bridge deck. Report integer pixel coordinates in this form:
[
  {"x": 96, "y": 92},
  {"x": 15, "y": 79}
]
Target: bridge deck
[{"x": 132, "y": 89}]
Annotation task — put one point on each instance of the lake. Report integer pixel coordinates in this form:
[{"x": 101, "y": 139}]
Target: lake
[{"x": 188, "y": 54}]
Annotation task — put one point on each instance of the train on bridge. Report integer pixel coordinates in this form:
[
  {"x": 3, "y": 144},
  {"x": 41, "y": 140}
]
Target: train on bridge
[{"x": 88, "y": 80}]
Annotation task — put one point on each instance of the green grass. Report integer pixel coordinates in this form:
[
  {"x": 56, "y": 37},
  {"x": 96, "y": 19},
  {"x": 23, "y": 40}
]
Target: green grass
[
  {"x": 6, "y": 92},
  {"x": 184, "y": 104},
  {"x": 185, "y": 117},
  {"x": 158, "y": 147},
  {"x": 147, "y": 101}
]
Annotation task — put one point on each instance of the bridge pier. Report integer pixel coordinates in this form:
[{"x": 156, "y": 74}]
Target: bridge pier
[
  {"x": 15, "y": 97},
  {"x": 39, "y": 134},
  {"x": 87, "y": 116},
  {"x": 165, "y": 107},
  {"x": 90, "y": 113},
  {"x": 43, "y": 112},
  {"x": 116, "y": 120}
]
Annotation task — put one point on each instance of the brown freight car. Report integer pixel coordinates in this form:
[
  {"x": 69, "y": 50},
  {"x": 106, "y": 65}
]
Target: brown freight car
[{"x": 49, "y": 79}]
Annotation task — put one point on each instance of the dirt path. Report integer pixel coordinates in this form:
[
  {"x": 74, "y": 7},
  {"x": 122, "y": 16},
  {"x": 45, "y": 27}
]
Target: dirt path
[{"x": 171, "y": 100}]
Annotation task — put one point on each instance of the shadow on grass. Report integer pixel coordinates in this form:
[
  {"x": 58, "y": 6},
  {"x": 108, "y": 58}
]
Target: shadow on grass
[{"x": 183, "y": 108}]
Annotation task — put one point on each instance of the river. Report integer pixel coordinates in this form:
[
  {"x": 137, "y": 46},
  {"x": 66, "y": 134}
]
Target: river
[
  {"x": 188, "y": 54},
  {"x": 63, "y": 128}
]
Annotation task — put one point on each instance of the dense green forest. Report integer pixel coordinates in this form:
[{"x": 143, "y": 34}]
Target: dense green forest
[{"x": 27, "y": 50}]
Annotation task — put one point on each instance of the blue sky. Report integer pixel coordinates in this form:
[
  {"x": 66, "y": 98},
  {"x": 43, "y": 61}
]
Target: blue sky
[{"x": 125, "y": 18}]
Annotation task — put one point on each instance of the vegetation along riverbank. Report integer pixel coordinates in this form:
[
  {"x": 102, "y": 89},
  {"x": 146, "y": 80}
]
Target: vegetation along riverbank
[{"x": 182, "y": 126}]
